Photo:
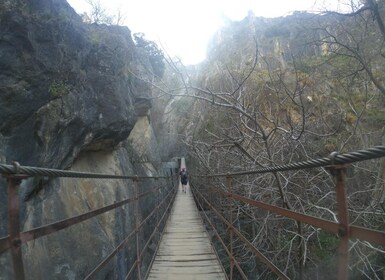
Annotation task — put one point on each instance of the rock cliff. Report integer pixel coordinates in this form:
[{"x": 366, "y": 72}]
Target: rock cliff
[
  {"x": 65, "y": 86},
  {"x": 70, "y": 99}
]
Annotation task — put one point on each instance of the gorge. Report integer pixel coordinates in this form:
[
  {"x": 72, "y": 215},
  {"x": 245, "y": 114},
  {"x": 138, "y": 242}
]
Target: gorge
[{"x": 90, "y": 97}]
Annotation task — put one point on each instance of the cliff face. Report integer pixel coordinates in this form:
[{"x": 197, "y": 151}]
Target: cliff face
[
  {"x": 65, "y": 86},
  {"x": 69, "y": 98},
  {"x": 278, "y": 39},
  {"x": 72, "y": 253}
]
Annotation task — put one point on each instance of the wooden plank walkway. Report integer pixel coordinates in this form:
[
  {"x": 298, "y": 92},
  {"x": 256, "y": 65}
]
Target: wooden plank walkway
[{"x": 185, "y": 251}]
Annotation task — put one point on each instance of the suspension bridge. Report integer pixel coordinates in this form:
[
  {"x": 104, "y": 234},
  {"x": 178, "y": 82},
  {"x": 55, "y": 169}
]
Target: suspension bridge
[{"x": 190, "y": 245}]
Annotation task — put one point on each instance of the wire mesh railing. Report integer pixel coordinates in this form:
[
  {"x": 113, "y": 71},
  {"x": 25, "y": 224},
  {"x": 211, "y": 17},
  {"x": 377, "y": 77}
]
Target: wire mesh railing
[
  {"x": 221, "y": 201},
  {"x": 147, "y": 228}
]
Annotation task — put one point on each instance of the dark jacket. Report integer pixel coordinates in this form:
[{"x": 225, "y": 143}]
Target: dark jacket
[{"x": 183, "y": 177}]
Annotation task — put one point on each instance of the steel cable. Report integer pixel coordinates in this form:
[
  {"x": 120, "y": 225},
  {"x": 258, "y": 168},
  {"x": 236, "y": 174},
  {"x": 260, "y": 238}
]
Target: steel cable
[
  {"x": 37, "y": 171},
  {"x": 333, "y": 159}
]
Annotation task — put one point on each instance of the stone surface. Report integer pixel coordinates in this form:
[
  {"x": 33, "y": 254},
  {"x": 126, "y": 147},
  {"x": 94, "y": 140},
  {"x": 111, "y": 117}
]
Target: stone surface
[
  {"x": 142, "y": 140},
  {"x": 69, "y": 98},
  {"x": 65, "y": 86}
]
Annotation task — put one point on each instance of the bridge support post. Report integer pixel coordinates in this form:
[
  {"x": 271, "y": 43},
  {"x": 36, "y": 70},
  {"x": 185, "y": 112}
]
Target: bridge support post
[
  {"x": 170, "y": 178},
  {"x": 343, "y": 218},
  {"x": 208, "y": 184},
  {"x": 13, "y": 184},
  {"x": 137, "y": 222},
  {"x": 231, "y": 208}
]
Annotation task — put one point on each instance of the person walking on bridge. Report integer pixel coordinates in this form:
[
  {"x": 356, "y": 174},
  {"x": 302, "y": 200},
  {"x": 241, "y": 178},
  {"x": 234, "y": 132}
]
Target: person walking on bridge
[{"x": 183, "y": 178}]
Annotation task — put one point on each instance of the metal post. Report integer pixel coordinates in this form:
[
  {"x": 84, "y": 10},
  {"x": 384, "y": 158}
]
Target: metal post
[
  {"x": 210, "y": 191},
  {"x": 137, "y": 219},
  {"x": 13, "y": 182},
  {"x": 171, "y": 179},
  {"x": 300, "y": 251},
  {"x": 343, "y": 218},
  {"x": 231, "y": 202}
]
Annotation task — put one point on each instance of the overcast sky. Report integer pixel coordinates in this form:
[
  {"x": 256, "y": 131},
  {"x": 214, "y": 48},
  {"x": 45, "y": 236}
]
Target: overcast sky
[{"x": 183, "y": 27}]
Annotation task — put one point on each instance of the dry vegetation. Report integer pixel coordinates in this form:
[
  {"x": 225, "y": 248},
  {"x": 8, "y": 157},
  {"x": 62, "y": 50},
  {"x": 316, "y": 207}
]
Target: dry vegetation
[{"x": 287, "y": 90}]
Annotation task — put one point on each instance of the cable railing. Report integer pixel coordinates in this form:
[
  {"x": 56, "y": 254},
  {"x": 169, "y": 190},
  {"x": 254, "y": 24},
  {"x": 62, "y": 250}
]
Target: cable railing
[
  {"x": 345, "y": 231},
  {"x": 15, "y": 174}
]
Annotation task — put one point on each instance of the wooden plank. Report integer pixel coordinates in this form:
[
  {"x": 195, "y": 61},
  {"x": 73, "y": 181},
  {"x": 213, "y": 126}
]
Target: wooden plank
[{"x": 185, "y": 251}]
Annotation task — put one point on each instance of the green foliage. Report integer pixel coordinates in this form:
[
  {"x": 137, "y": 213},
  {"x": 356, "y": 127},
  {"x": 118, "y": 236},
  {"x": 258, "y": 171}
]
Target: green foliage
[
  {"x": 58, "y": 89},
  {"x": 376, "y": 115},
  {"x": 327, "y": 244}
]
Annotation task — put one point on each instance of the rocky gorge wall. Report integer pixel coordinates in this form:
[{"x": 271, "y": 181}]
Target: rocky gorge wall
[{"x": 70, "y": 99}]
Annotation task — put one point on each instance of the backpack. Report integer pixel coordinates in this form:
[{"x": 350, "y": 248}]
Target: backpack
[{"x": 184, "y": 177}]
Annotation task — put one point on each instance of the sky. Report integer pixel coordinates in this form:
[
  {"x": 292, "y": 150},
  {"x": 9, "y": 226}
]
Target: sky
[{"x": 184, "y": 27}]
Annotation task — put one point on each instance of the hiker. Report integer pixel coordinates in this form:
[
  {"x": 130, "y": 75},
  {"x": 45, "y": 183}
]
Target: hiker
[{"x": 183, "y": 179}]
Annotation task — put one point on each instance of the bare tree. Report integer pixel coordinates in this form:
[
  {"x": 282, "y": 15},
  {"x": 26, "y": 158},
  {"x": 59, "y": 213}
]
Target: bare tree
[
  {"x": 255, "y": 110},
  {"x": 100, "y": 15}
]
